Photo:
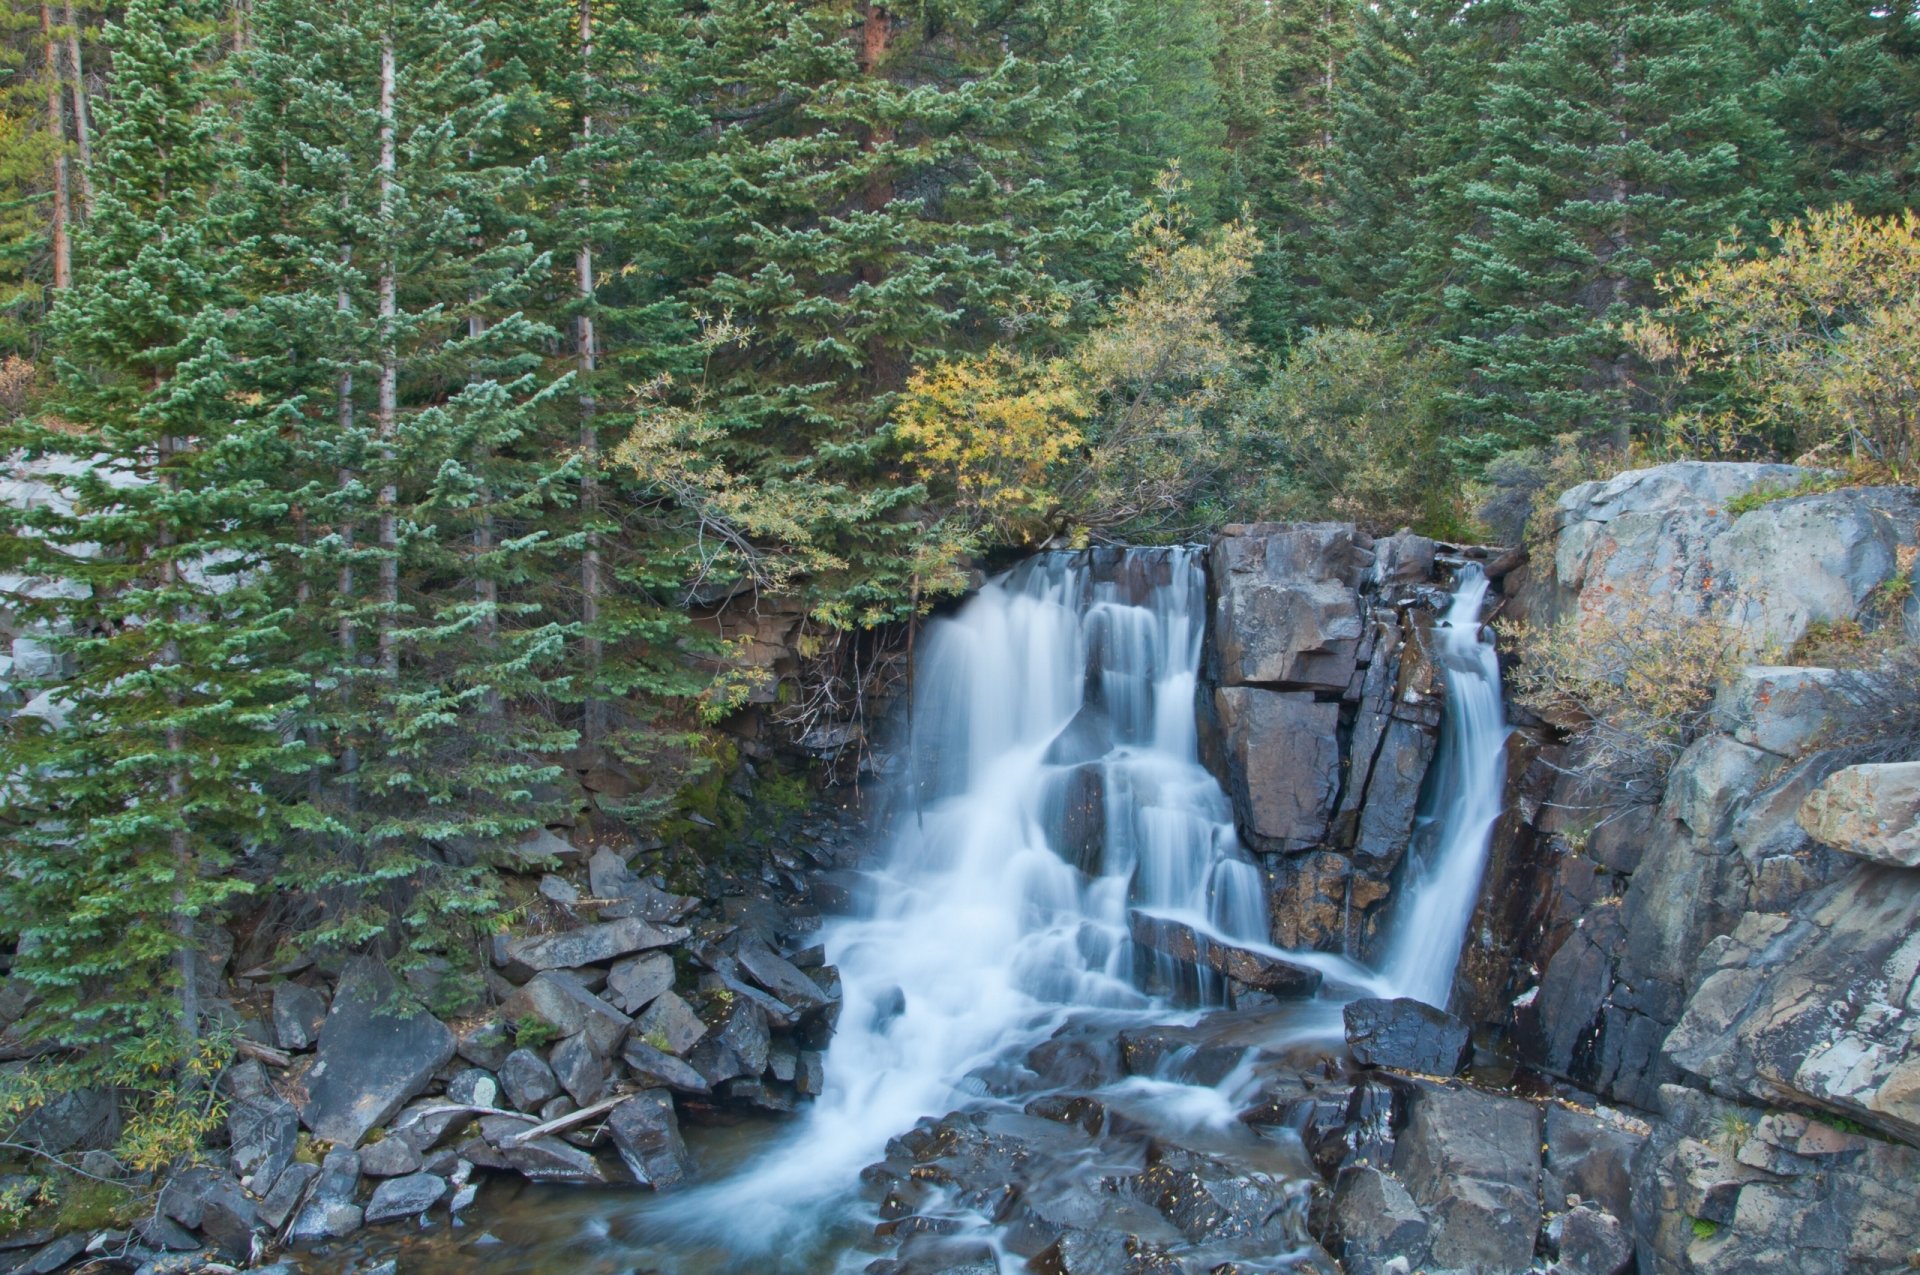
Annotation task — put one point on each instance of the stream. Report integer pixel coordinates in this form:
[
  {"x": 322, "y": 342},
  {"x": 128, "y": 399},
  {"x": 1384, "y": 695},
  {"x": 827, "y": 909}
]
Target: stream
[{"x": 1053, "y": 788}]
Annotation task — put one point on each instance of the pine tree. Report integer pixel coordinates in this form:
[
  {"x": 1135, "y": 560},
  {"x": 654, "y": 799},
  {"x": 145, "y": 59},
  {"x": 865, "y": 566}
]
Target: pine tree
[
  {"x": 154, "y": 774},
  {"x": 1618, "y": 143}
]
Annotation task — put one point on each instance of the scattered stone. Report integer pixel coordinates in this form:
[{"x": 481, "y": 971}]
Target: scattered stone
[
  {"x": 407, "y": 1196},
  {"x": 633, "y": 984},
  {"x": 1406, "y": 1034},
  {"x": 527, "y": 1080},
  {"x": 646, "y": 1133},
  {"x": 588, "y": 945},
  {"x": 1252, "y": 969},
  {"x": 376, "y": 1051},
  {"x": 298, "y": 1013},
  {"x": 389, "y": 1158},
  {"x": 670, "y": 1024}
]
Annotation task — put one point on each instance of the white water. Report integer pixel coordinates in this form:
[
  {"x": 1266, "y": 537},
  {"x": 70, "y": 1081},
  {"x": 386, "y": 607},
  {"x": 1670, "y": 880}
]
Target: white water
[
  {"x": 980, "y": 939},
  {"x": 1442, "y": 882}
]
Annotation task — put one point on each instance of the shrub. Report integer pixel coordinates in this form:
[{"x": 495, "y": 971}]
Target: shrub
[
  {"x": 1633, "y": 686},
  {"x": 1518, "y": 490}
]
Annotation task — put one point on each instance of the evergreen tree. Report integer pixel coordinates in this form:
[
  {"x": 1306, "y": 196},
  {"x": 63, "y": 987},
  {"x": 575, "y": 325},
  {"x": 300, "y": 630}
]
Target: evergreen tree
[
  {"x": 154, "y": 772},
  {"x": 1618, "y": 143}
]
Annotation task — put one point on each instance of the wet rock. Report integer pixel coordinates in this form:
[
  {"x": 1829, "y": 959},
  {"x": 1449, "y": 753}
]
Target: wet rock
[
  {"x": 377, "y": 1050},
  {"x": 408, "y": 1196},
  {"x": 1816, "y": 1008},
  {"x": 1252, "y": 969},
  {"x": 551, "y": 1160},
  {"x": 1392, "y": 795},
  {"x": 646, "y": 1133},
  {"x": 670, "y": 1025},
  {"x": 559, "y": 999},
  {"x": 737, "y": 1044},
  {"x": 777, "y": 976},
  {"x": 389, "y": 1158},
  {"x": 579, "y": 1069},
  {"x": 287, "y": 1192},
  {"x": 1283, "y": 764},
  {"x": 1406, "y": 1034},
  {"x": 527, "y": 1080},
  {"x": 1076, "y": 811},
  {"x": 633, "y": 984},
  {"x": 589, "y": 945},
  {"x": 262, "y": 1134},
  {"x": 655, "y": 1068},
  {"x": 1471, "y": 1161},
  {"x": 1377, "y": 1220},
  {"x": 1177, "y": 1053},
  {"x": 298, "y": 1012},
  {"x": 1209, "y": 1202},
  {"x": 1075, "y": 1059},
  {"x": 330, "y": 1212},
  {"x": 810, "y": 1074},
  {"x": 1869, "y": 812}
]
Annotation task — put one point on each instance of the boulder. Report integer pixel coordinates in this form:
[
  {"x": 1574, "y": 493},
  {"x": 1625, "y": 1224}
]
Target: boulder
[
  {"x": 377, "y": 1050},
  {"x": 774, "y": 974},
  {"x": 298, "y": 1012},
  {"x": 1471, "y": 1161},
  {"x": 1782, "y": 710},
  {"x": 474, "y": 1087},
  {"x": 646, "y": 1133},
  {"x": 330, "y": 1212},
  {"x": 561, "y": 1001},
  {"x": 588, "y": 945},
  {"x": 632, "y": 984},
  {"x": 1590, "y": 1159},
  {"x": 389, "y": 1158},
  {"x": 1283, "y": 764},
  {"x": 1251, "y": 969},
  {"x": 287, "y": 1192},
  {"x": 69, "y": 1120},
  {"x": 655, "y": 1068},
  {"x": 736, "y": 1044},
  {"x": 580, "y": 1069},
  {"x": 527, "y": 1080},
  {"x": 669, "y": 1024},
  {"x": 1376, "y": 1220},
  {"x": 1286, "y": 607},
  {"x": 262, "y": 1134},
  {"x": 1869, "y": 812},
  {"x": 1406, "y": 1034},
  {"x": 551, "y": 1160},
  {"x": 1817, "y": 1009},
  {"x": 214, "y": 1204},
  {"x": 409, "y": 1196},
  {"x": 1590, "y": 1241},
  {"x": 486, "y": 1045}
]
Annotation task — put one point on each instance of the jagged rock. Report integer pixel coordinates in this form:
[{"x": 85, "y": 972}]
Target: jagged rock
[
  {"x": 1209, "y": 1201},
  {"x": 1392, "y": 795},
  {"x": 588, "y": 945},
  {"x": 1591, "y": 1242},
  {"x": 1472, "y": 1162},
  {"x": 559, "y": 999},
  {"x": 287, "y": 1192},
  {"x": 298, "y": 1012},
  {"x": 55, "y": 1254},
  {"x": 330, "y": 1212},
  {"x": 376, "y": 1051},
  {"x": 389, "y": 1158},
  {"x": 1078, "y": 809},
  {"x": 777, "y": 976},
  {"x": 646, "y": 1133},
  {"x": 669, "y": 1024},
  {"x": 632, "y": 984},
  {"x": 551, "y": 1160},
  {"x": 736, "y": 1045},
  {"x": 1253, "y": 969},
  {"x": 527, "y": 1080},
  {"x": 579, "y": 1069},
  {"x": 1726, "y": 1190},
  {"x": 655, "y": 1068},
  {"x": 72, "y": 1120},
  {"x": 1869, "y": 812},
  {"x": 409, "y": 1196},
  {"x": 262, "y": 1133},
  {"x": 1590, "y": 1159},
  {"x": 542, "y": 845},
  {"x": 214, "y": 1204},
  {"x": 424, "y": 1123},
  {"x": 557, "y": 889},
  {"x": 810, "y": 1073},
  {"x": 1406, "y": 1034},
  {"x": 1283, "y": 764},
  {"x": 486, "y": 1045},
  {"x": 1376, "y": 1220},
  {"x": 1286, "y": 608},
  {"x": 1817, "y": 1008}
]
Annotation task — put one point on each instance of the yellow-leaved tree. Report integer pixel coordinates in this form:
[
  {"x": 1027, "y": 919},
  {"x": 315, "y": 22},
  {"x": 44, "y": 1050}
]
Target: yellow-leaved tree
[{"x": 1814, "y": 344}]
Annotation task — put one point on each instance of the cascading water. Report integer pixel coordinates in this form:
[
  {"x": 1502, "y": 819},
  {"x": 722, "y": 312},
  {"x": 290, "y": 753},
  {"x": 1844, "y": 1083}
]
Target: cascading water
[{"x": 1443, "y": 880}]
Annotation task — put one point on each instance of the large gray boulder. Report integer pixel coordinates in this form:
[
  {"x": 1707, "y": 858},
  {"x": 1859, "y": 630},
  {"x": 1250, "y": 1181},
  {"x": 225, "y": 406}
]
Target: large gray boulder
[
  {"x": 1406, "y": 1034},
  {"x": 1471, "y": 1161},
  {"x": 588, "y": 945},
  {"x": 1817, "y": 1009},
  {"x": 1286, "y": 608},
  {"x": 377, "y": 1050},
  {"x": 646, "y": 1133},
  {"x": 560, "y": 1000},
  {"x": 1870, "y": 812},
  {"x": 1283, "y": 761}
]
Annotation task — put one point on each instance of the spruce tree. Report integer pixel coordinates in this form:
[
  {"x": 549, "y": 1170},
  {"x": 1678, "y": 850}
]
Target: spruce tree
[
  {"x": 1618, "y": 143},
  {"x": 154, "y": 773}
]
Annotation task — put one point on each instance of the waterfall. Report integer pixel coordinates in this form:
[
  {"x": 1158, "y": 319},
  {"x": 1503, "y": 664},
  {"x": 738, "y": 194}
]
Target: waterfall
[{"x": 1442, "y": 881}]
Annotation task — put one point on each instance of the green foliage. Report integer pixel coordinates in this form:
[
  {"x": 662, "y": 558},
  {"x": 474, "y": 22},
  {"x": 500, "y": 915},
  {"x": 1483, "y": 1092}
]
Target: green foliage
[{"x": 533, "y": 1033}]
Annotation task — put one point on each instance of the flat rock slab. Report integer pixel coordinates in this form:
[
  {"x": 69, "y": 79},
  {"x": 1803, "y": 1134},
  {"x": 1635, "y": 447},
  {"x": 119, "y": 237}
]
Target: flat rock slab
[
  {"x": 590, "y": 944},
  {"x": 1406, "y": 1034},
  {"x": 377, "y": 1050},
  {"x": 1253, "y": 969}
]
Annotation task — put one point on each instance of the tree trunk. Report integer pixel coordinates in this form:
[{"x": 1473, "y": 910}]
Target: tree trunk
[
  {"x": 386, "y": 407},
  {"x": 82, "y": 130},
  {"x": 179, "y": 845},
  {"x": 57, "y": 130},
  {"x": 593, "y": 724}
]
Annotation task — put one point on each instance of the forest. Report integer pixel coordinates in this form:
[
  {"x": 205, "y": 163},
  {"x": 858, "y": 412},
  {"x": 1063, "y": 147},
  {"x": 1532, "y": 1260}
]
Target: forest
[{"x": 386, "y": 385}]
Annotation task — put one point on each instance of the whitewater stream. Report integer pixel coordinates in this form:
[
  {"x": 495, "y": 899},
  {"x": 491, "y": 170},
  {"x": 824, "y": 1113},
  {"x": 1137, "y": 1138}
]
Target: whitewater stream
[{"x": 1053, "y": 787}]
